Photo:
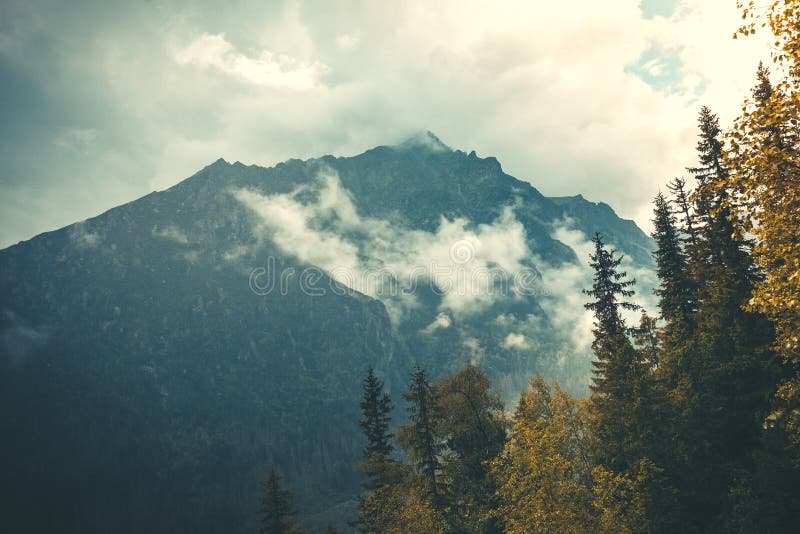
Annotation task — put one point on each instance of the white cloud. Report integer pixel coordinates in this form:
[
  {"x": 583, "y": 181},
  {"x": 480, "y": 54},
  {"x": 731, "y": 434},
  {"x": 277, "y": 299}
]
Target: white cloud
[
  {"x": 516, "y": 341},
  {"x": 289, "y": 224},
  {"x": 267, "y": 69},
  {"x": 442, "y": 321},
  {"x": 462, "y": 261},
  {"x": 564, "y": 300},
  {"x": 171, "y": 233}
]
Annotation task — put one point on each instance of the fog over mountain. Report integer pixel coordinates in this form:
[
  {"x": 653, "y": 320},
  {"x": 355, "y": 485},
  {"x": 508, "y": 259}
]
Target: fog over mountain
[{"x": 161, "y": 355}]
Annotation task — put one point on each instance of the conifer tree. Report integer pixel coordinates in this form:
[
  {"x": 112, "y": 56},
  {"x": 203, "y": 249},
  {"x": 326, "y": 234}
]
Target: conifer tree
[
  {"x": 276, "y": 508},
  {"x": 419, "y": 438},
  {"x": 380, "y": 507},
  {"x": 625, "y": 406},
  {"x": 686, "y": 223},
  {"x": 645, "y": 339},
  {"x": 718, "y": 367},
  {"x": 709, "y": 150},
  {"x": 733, "y": 341},
  {"x": 618, "y": 368},
  {"x": 376, "y": 407},
  {"x": 722, "y": 244},
  {"x": 676, "y": 290}
]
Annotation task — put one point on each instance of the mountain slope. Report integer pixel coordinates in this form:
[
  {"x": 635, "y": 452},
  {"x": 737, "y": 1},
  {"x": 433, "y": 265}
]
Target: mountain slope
[{"x": 157, "y": 358}]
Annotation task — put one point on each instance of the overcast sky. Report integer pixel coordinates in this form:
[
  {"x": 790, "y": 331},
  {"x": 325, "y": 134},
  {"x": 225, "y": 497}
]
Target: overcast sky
[{"x": 103, "y": 102}]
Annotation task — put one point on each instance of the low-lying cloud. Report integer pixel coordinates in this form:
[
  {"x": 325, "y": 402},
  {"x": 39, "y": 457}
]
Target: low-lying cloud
[
  {"x": 465, "y": 264},
  {"x": 469, "y": 266}
]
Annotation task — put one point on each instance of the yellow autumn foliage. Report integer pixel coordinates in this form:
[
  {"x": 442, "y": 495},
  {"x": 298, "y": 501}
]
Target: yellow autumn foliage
[
  {"x": 764, "y": 158},
  {"x": 547, "y": 480}
]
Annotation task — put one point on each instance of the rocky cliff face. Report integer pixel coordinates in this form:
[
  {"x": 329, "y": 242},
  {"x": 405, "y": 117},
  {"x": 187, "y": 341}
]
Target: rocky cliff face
[{"x": 156, "y": 358}]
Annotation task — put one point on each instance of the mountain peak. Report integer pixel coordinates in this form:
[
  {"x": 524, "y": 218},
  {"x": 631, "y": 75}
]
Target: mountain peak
[{"x": 426, "y": 140}]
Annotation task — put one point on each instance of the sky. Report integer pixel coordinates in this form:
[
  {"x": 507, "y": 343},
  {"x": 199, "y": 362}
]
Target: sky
[{"x": 103, "y": 102}]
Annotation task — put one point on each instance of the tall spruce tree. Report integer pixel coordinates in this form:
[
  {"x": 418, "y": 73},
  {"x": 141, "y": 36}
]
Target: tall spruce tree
[
  {"x": 626, "y": 398},
  {"x": 734, "y": 341},
  {"x": 419, "y": 438},
  {"x": 685, "y": 223},
  {"x": 726, "y": 367},
  {"x": 619, "y": 369},
  {"x": 376, "y": 408},
  {"x": 276, "y": 508},
  {"x": 679, "y": 428},
  {"x": 676, "y": 289},
  {"x": 722, "y": 243},
  {"x": 383, "y": 502},
  {"x": 677, "y": 292}
]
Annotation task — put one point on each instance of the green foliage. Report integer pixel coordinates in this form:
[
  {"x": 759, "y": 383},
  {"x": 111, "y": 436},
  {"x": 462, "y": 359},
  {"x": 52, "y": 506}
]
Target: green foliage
[
  {"x": 470, "y": 418},
  {"x": 646, "y": 341},
  {"x": 383, "y": 473},
  {"x": 621, "y": 373},
  {"x": 685, "y": 216},
  {"x": 626, "y": 407},
  {"x": 456, "y": 428},
  {"x": 733, "y": 374},
  {"x": 376, "y": 408},
  {"x": 676, "y": 289},
  {"x": 276, "y": 508},
  {"x": 420, "y": 438}
]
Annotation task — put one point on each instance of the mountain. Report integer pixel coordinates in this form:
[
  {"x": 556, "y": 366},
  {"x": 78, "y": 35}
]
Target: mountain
[{"x": 157, "y": 359}]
